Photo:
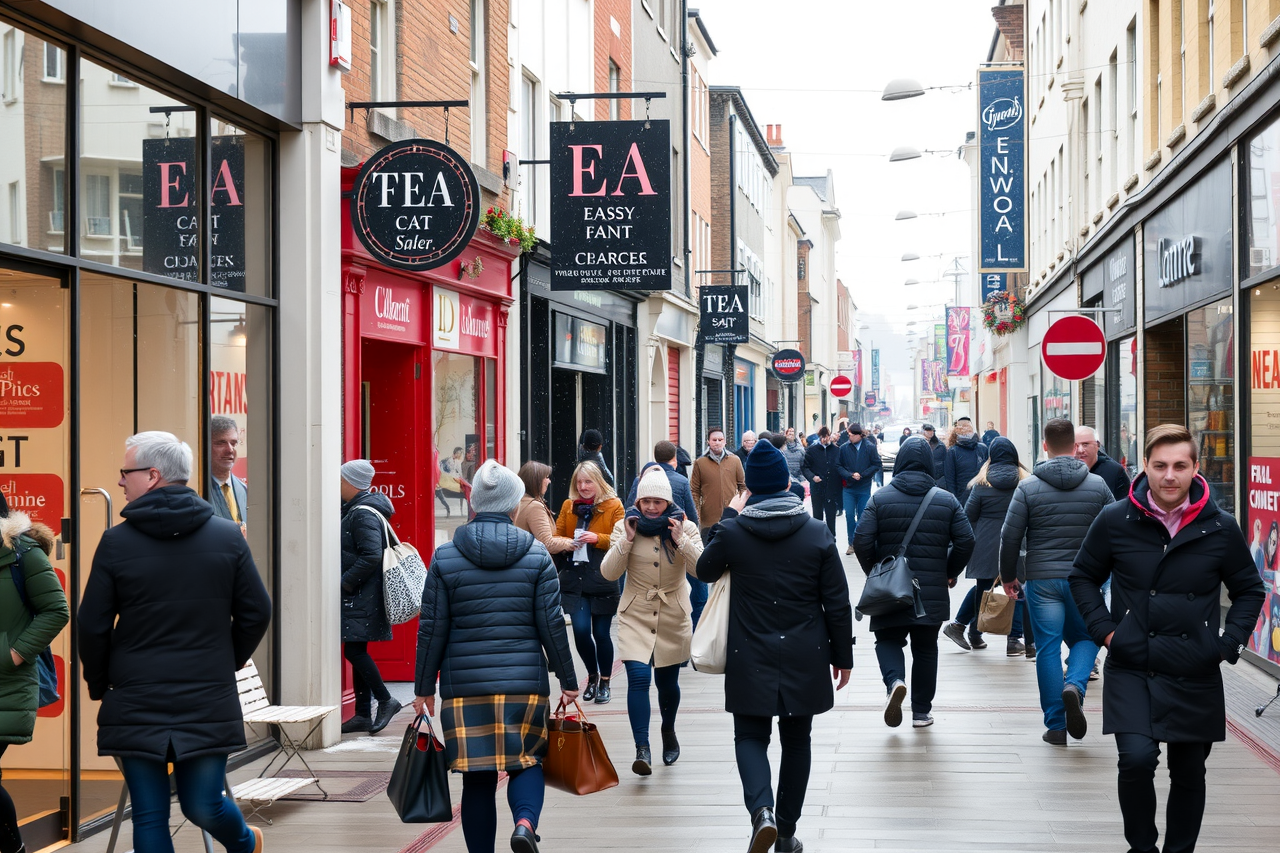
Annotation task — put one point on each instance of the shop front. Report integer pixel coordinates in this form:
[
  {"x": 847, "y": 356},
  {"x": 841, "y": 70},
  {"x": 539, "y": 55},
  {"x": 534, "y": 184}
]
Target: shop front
[{"x": 1110, "y": 283}]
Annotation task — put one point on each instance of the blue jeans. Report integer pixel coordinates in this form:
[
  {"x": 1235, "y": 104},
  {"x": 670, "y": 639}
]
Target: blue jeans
[
  {"x": 591, "y": 636},
  {"x": 1056, "y": 621},
  {"x": 200, "y": 793},
  {"x": 855, "y": 501},
  {"x": 639, "y": 676},
  {"x": 697, "y": 598}
]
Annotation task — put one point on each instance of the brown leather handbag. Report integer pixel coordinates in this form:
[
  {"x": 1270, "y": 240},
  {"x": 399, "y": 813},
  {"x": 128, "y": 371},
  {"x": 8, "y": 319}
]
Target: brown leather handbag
[{"x": 576, "y": 759}]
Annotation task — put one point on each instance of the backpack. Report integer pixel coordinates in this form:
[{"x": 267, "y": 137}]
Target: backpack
[{"x": 47, "y": 674}]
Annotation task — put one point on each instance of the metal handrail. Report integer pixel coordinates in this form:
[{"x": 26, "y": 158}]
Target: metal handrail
[{"x": 105, "y": 494}]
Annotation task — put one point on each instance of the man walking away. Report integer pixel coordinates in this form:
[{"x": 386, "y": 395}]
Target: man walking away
[
  {"x": 1168, "y": 550},
  {"x": 1090, "y": 452},
  {"x": 859, "y": 463},
  {"x": 939, "y": 450},
  {"x": 821, "y": 468},
  {"x": 664, "y": 456},
  {"x": 1052, "y": 510}
]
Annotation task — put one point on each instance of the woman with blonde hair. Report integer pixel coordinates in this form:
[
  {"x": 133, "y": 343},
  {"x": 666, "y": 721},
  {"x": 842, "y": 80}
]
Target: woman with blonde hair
[
  {"x": 965, "y": 455},
  {"x": 533, "y": 514},
  {"x": 588, "y": 518},
  {"x": 991, "y": 491}
]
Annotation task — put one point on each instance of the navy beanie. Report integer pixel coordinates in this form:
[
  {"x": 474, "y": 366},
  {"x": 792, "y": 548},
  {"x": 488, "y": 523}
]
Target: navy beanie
[{"x": 766, "y": 470}]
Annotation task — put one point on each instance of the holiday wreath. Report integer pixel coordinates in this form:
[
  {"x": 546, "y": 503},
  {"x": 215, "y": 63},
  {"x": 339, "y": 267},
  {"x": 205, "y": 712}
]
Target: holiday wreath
[{"x": 1003, "y": 313}]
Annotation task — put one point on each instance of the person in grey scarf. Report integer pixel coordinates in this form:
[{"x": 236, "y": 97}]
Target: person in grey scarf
[{"x": 793, "y": 452}]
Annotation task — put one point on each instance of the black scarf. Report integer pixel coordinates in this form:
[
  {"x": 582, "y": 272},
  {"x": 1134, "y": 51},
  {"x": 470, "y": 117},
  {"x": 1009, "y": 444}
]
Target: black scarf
[
  {"x": 660, "y": 526},
  {"x": 583, "y": 510}
]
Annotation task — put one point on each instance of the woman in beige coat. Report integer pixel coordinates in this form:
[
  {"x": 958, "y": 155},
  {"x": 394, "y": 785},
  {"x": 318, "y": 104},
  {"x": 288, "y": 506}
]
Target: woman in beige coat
[
  {"x": 655, "y": 546},
  {"x": 533, "y": 514}
]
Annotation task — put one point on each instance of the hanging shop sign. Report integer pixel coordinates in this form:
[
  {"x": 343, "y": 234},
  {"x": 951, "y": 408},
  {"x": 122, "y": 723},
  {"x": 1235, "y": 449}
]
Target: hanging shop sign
[
  {"x": 169, "y": 234},
  {"x": 869, "y": 400},
  {"x": 1187, "y": 246},
  {"x": 875, "y": 370},
  {"x": 415, "y": 204},
  {"x": 724, "y": 314},
  {"x": 611, "y": 205},
  {"x": 788, "y": 365},
  {"x": 958, "y": 341},
  {"x": 1002, "y": 170}
]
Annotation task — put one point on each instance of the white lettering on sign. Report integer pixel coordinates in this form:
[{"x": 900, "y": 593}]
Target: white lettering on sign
[
  {"x": 415, "y": 194},
  {"x": 1002, "y": 113},
  {"x": 472, "y": 325},
  {"x": 385, "y": 307},
  {"x": 1179, "y": 260},
  {"x": 721, "y": 303}
]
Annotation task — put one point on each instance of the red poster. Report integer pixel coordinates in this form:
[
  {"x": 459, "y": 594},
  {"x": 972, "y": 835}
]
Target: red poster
[
  {"x": 31, "y": 395},
  {"x": 38, "y": 495},
  {"x": 957, "y": 341},
  {"x": 857, "y": 368},
  {"x": 1263, "y": 533},
  {"x": 392, "y": 309}
]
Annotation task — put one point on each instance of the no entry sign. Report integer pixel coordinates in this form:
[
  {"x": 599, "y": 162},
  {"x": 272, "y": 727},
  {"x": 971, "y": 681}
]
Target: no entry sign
[
  {"x": 841, "y": 386},
  {"x": 1074, "y": 348}
]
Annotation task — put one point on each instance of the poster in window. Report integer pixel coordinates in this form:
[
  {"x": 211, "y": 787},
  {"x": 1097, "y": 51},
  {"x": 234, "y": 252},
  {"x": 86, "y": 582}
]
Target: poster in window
[{"x": 1263, "y": 534}]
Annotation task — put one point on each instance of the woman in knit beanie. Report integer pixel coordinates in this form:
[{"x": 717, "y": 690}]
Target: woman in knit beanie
[{"x": 655, "y": 546}]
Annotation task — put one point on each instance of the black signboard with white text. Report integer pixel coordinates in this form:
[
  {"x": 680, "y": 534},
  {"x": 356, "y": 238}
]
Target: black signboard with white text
[
  {"x": 788, "y": 365},
  {"x": 724, "y": 314},
  {"x": 611, "y": 205},
  {"x": 415, "y": 204},
  {"x": 170, "y": 228}
]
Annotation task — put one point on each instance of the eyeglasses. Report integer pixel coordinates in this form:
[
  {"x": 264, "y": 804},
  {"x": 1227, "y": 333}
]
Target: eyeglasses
[{"x": 126, "y": 471}]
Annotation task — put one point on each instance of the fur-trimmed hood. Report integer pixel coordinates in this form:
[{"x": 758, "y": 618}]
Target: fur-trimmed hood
[{"x": 17, "y": 524}]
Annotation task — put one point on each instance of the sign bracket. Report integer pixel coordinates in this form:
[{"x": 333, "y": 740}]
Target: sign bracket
[
  {"x": 574, "y": 97},
  {"x": 380, "y": 105}
]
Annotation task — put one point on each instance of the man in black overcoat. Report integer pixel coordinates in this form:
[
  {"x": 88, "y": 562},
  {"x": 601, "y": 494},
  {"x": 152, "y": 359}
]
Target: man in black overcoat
[{"x": 1168, "y": 550}]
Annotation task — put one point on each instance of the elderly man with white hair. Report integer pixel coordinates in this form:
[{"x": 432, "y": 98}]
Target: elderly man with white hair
[
  {"x": 1089, "y": 451},
  {"x": 745, "y": 445}
]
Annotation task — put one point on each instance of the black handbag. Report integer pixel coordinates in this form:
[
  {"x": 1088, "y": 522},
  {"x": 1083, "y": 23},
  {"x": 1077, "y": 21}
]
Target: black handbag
[
  {"x": 890, "y": 585},
  {"x": 419, "y": 786}
]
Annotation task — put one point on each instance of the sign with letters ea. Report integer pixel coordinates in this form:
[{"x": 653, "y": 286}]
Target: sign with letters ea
[
  {"x": 1002, "y": 170},
  {"x": 611, "y": 205},
  {"x": 724, "y": 313},
  {"x": 415, "y": 204}
]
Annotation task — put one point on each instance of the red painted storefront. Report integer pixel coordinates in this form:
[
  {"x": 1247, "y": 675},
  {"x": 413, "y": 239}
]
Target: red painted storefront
[{"x": 424, "y": 390}]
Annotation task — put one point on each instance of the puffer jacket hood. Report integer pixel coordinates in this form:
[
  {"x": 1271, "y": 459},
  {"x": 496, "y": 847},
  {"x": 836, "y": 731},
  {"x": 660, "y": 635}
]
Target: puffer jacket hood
[
  {"x": 17, "y": 524},
  {"x": 1003, "y": 476},
  {"x": 1064, "y": 473},
  {"x": 491, "y": 541},
  {"x": 168, "y": 512},
  {"x": 1002, "y": 451},
  {"x": 913, "y": 469},
  {"x": 775, "y": 527}
]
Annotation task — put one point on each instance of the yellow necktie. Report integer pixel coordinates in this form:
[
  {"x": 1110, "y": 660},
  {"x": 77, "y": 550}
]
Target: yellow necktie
[{"x": 230, "y": 498}]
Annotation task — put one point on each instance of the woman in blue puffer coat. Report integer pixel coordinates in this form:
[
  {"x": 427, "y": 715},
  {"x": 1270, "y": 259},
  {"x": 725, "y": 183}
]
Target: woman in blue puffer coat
[{"x": 965, "y": 455}]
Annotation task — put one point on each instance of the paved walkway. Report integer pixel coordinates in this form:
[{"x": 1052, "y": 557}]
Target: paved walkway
[{"x": 979, "y": 779}]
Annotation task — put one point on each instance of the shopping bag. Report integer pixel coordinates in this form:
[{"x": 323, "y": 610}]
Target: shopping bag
[
  {"x": 996, "y": 614},
  {"x": 576, "y": 759},
  {"x": 710, "y": 648},
  {"x": 419, "y": 786},
  {"x": 404, "y": 575}
]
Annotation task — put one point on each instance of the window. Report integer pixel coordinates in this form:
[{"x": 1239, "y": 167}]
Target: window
[
  {"x": 121, "y": 80},
  {"x": 15, "y": 213},
  {"x": 529, "y": 143},
  {"x": 477, "y": 82},
  {"x": 54, "y": 63},
  {"x": 382, "y": 51},
  {"x": 1210, "y": 393},
  {"x": 1181, "y": 114},
  {"x": 1086, "y": 154},
  {"x": 662, "y": 16},
  {"x": 1152, "y": 52},
  {"x": 130, "y": 206},
  {"x": 97, "y": 205},
  {"x": 1131, "y": 72},
  {"x": 615, "y": 105},
  {"x": 1113, "y": 128},
  {"x": 1098, "y": 132},
  {"x": 59, "y": 205},
  {"x": 10, "y": 66}
]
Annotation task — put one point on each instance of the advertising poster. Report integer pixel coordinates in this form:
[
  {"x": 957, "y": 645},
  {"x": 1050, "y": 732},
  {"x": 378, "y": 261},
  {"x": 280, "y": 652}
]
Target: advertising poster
[
  {"x": 1002, "y": 179},
  {"x": 856, "y": 369},
  {"x": 958, "y": 341},
  {"x": 875, "y": 370},
  {"x": 1263, "y": 533}
]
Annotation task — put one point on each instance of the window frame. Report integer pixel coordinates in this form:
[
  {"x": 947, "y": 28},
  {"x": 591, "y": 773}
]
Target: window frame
[
  {"x": 477, "y": 58},
  {"x": 11, "y": 66},
  {"x": 60, "y": 61}
]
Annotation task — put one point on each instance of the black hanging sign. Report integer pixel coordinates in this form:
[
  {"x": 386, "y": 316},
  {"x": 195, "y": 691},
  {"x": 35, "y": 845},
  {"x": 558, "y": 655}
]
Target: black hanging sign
[
  {"x": 611, "y": 205},
  {"x": 724, "y": 314},
  {"x": 170, "y": 230},
  {"x": 415, "y": 205},
  {"x": 788, "y": 365}
]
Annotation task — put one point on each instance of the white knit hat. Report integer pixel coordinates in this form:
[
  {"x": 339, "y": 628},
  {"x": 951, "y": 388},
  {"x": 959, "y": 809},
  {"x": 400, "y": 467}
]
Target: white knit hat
[
  {"x": 495, "y": 488},
  {"x": 654, "y": 484}
]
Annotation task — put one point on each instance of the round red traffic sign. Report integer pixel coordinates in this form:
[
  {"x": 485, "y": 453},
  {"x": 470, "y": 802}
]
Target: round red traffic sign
[
  {"x": 841, "y": 386},
  {"x": 1074, "y": 348}
]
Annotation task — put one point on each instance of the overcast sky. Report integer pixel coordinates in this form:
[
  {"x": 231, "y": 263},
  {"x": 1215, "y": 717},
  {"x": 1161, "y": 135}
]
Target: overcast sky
[{"x": 817, "y": 67}]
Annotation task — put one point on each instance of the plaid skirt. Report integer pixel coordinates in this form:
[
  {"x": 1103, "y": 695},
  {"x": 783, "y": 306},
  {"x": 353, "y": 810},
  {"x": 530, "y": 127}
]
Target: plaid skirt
[{"x": 499, "y": 732}]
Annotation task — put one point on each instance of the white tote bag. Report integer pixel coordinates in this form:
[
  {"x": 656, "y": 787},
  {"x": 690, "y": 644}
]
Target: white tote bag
[
  {"x": 403, "y": 575},
  {"x": 710, "y": 648}
]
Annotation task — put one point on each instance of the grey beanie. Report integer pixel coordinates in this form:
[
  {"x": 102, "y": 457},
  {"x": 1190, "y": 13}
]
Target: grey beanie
[
  {"x": 359, "y": 473},
  {"x": 495, "y": 489}
]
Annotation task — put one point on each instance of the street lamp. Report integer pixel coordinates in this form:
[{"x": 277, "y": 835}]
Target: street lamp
[
  {"x": 904, "y": 87},
  {"x": 906, "y": 152},
  {"x": 911, "y": 214}
]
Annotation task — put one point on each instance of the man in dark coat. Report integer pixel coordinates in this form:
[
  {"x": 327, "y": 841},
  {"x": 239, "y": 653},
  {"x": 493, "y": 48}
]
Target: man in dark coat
[
  {"x": 790, "y": 633},
  {"x": 822, "y": 469},
  {"x": 991, "y": 434},
  {"x": 1089, "y": 451},
  {"x": 859, "y": 463},
  {"x": 1168, "y": 550},
  {"x": 364, "y": 613},
  {"x": 938, "y": 448},
  {"x": 591, "y": 449},
  {"x": 963, "y": 460},
  {"x": 745, "y": 446},
  {"x": 880, "y": 534},
  {"x": 173, "y": 607},
  {"x": 664, "y": 455},
  {"x": 1052, "y": 510}
]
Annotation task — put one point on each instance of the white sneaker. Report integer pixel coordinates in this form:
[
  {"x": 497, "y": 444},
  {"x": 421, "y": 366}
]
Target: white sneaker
[
  {"x": 920, "y": 721},
  {"x": 893, "y": 704}
]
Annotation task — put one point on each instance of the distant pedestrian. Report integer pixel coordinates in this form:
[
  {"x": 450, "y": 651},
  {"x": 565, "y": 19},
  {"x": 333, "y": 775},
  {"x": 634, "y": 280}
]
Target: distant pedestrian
[
  {"x": 822, "y": 468},
  {"x": 793, "y": 451},
  {"x": 664, "y": 457},
  {"x": 1169, "y": 550},
  {"x": 491, "y": 626},
  {"x": 591, "y": 449},
  {"x": 937, "y": 553},
  {"x": 533, "y": 514},
  {"x": 30, "y": 621},
  {"x": 859, "y": 462},
  {"x": 683, "y": 461},
  {"x": 588, "y": 517},
  {"x": 745, "y": 445},
  {"x": 1089, "y": 451},
  {"x": 1052, "y": 510},
  {"x": 790, "y": 634},
  {"x": 906, "y": 433},
  {"x": 991, "y": 492},
  {"x": 656, "y": 547},
  {"x": 173, "y": 607},
  {"x": 965, "y": 455},
  {"x": 364, "y": 611},
  {"x": 991, "y": 434},
  {"x": 716, "y": 479},
  {"x": 939, "y": 450},
  {"x": 876, "y": 440}
]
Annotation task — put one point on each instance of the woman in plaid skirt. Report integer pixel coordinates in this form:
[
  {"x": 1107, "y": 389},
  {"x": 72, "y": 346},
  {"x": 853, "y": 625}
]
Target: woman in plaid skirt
[{"x": 490, "y": 612}]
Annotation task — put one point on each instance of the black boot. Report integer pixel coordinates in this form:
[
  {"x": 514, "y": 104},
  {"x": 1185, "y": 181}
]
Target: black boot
[
  {"x": 523, "y": 840},
  {"x": 670, "y": 747},
  {"x": 788, "y": 845},
  {"x": 603, "y": 694},
  {"x": 643, "y": 765},
  {"x": 386, "y": 710},
  {"x": 590, "y": 692},
  {"x": 358, "y": 723},
  {"x": 764, "y": 830}
]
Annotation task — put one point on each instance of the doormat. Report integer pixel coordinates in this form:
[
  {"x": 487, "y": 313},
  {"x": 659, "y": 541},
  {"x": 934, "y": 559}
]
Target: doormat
[{"x": 342, "y": 786}]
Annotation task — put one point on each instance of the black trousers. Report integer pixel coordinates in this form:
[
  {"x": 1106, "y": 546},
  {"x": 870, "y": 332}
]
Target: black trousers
[
  {"x": 828, "y": 506},
  {"x": 890, "y": 643},
  {"x": 366, "y": 681},
  {"x": 1139, "y": 757},
  {"x": 751, "y": 746}
]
